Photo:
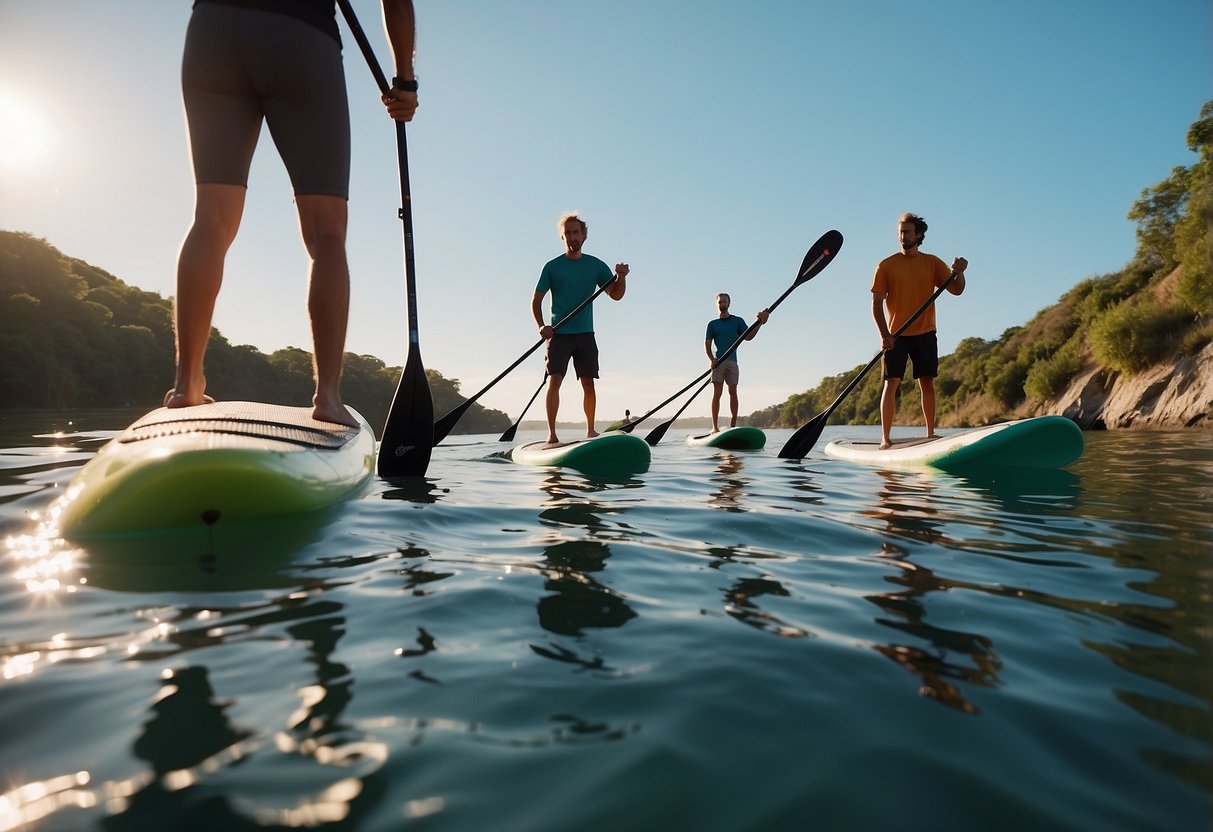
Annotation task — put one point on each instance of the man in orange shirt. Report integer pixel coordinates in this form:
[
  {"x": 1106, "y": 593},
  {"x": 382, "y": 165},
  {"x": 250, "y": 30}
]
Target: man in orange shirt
[{"x": 902, "y": 284}]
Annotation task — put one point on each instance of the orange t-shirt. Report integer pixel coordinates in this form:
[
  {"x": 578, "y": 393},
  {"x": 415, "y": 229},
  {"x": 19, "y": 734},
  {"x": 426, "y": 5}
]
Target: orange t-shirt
[{"x": 906, "y": 281}]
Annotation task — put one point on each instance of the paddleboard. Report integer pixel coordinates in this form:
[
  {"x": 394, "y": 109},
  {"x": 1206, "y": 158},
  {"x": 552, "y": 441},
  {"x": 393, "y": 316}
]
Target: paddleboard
[
  {"x": 610, "y": 453},
  {"x": 226, "y": 462},
  {"x": 1041, "y": 442},
  {"x": 733, "y": 439}
]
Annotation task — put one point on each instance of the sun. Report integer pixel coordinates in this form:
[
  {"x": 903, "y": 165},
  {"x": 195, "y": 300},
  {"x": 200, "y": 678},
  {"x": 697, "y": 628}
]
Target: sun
[{"x": 23, "y": 134}]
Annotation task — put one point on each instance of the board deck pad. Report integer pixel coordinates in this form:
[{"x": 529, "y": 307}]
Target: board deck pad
[{"x": 293, "y": 425}]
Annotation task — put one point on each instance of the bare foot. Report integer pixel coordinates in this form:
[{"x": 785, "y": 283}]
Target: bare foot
[
  {"x": 591, "y": 434},
  {"x": 552, "y": 442},
  {"x": 174, "y": 399},
  {"x": 338, "y": 415},
  {"x": 885, "y": 444}
]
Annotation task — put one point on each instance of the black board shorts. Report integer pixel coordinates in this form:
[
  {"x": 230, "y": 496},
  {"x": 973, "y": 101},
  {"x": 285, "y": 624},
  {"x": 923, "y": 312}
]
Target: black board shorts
[
  {"x": 580, "y": 346},
  {"x": 241, "y": 67},
  {"x": 922, "y": 350}
]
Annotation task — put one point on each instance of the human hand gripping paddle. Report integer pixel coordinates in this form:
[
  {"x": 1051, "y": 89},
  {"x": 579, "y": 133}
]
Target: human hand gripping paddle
[
  {"x": 408, "y": 436},
  {"x": 806, "y": 436},
  {"x": 444, "y": 425},
  {"x": 508, "y": 436},
  {"x": 815, "y": 260}
]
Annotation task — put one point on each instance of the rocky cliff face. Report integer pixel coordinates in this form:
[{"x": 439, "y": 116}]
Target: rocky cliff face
[{"x": 1174, "y": 395}]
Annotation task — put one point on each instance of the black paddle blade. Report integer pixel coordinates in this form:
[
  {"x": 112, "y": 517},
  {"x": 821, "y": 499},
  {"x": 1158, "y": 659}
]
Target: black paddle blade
[
  {"x": 408, "y": 434},
  {"x": 819, "y": 255},
  {"x": 656, "y": 433},
  {"x": 447, "y": 423},
  {"x": 508, "y": 436},
  {"x": 805, "y": 437}
]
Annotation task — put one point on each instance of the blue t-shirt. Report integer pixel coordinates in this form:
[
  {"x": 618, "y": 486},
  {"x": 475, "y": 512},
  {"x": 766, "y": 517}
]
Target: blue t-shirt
[
  {"x": 725, "y": 332},
  {"x": 570, "y": 282}
]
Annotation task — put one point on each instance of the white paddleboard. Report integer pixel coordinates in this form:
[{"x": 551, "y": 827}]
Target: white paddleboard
[{"x": 226, "y": 462}]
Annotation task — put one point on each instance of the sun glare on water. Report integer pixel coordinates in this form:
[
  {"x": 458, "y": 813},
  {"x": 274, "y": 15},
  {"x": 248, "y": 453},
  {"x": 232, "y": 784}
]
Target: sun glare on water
[{"x": 23, "y": 134}]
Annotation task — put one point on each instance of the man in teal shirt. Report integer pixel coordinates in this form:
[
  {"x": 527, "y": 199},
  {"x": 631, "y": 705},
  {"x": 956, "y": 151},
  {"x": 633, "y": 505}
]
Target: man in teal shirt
[
  {"x": 724, "y": 331},
  {"x": 571, "y": 278}
]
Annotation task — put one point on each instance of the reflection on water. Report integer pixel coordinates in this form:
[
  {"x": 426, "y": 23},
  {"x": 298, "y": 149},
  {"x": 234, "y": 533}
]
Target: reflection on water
[
  {"x": 445, "y": 650},
  {"x": 940, "y": 657}
]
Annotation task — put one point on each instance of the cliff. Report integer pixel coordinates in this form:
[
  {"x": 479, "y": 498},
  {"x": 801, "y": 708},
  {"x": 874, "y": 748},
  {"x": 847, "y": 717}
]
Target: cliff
[{"x": 1175, "y": 394}]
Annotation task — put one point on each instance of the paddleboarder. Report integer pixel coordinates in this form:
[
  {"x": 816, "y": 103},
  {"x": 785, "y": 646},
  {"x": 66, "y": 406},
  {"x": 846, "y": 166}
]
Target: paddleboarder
[
  {"x": 723, "y": 331},
  {"x": 251, "y": 61},
  {"x": 902, "y": 284},
  {"x": 571, "y": 278}
]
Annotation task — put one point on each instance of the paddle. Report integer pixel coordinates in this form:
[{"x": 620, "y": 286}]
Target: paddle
[
  {"x": 508, "y": 436},
  {"x": 806, "y": 436},
  {"x": 444, "y": 425},
  {"x": 817, "y": 258},
  {"x": 408, "y": 435}
]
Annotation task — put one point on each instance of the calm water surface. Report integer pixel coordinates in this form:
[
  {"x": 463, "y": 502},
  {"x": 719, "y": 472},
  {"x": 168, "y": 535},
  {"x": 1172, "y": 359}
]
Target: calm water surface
[{"x": 728, "y": 641}]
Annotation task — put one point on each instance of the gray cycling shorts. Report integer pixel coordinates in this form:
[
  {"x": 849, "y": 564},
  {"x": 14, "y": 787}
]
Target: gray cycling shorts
[{"x": 241, "y": 67}]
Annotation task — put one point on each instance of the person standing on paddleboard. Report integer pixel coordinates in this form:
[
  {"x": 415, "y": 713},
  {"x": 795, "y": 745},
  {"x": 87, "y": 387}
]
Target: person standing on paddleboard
[
  {"x": 277, "y": 61},
  {"x": 571, "y": 278},
  {"x": 723, "y": 332},
  {"x": 902, "y": 284}
]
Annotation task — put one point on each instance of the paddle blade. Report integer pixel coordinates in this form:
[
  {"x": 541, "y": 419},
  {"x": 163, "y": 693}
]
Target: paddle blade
[
  {"x": 408, "y": 434},
  {"x": 805, "y": 437},
  {"x": 819, "y": 256},
  {"x": 656, "y": 433},
  {"x": 508, "y": 436},
  {"x": 447, "y": 423}
]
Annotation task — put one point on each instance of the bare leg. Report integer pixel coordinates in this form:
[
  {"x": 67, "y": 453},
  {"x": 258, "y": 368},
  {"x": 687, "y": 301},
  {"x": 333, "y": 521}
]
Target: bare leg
[
  {"x": 926, "y": 385},
  {"x": 717, "y": 387},
  {"x": 552, "y": 401},
  {"x": 589, "y": 404},
  {"x": 888, "y": 409},
  {"x": 217, "y": 212},
  {"x": 322, "y": 222},
  {"x": 733, "y": 405}
]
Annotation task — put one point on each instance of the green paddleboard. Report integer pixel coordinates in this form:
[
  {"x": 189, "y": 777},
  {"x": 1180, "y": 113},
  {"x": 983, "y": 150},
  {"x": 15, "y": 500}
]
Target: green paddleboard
[
  {"x": 733, "y": 439},
  {"x": 1040, "y": 442},
  {"x": 607, "y": 453}
]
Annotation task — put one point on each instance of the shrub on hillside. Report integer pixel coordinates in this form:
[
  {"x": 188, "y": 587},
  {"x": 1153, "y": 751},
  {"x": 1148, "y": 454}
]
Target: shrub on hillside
[{"x": 1135, "y": 335}]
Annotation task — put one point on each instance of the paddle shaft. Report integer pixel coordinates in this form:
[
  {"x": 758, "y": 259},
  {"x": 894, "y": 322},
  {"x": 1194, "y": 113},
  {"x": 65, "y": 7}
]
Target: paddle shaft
[
  {"x": 802, "y": 441},
  {"x": 407, "y": 439},
  {"x": 444, "y": 425},
  {"x": 508, "y": 435}
]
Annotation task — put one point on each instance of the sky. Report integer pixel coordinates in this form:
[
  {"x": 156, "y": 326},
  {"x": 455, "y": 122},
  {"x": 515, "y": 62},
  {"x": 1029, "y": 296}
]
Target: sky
[{"x": 707, "y": 144}]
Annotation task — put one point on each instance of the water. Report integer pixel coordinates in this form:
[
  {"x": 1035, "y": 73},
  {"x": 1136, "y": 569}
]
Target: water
[{"x": 728, "y": 641}]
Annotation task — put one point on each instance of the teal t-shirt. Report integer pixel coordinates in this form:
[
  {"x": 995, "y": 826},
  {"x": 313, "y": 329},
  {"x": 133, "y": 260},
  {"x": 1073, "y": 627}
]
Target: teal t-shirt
[
  {"x": 571, "y": 282},
  {"x": 724, "y": 332}
]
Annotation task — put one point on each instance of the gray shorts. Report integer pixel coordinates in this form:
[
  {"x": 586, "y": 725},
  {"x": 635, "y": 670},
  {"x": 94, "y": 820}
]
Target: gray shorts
[
  {"x": 241, "y": 67},
  {"x": 726, "y": 372}
]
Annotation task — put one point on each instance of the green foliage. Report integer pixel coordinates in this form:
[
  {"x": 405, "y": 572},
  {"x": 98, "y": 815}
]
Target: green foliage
[
  {"x": 73, "y": 335},
  {"x": 1137, "y": 334},
  {"x": 1194, "y": 231},
  {"x": 1049, "y": 377}
]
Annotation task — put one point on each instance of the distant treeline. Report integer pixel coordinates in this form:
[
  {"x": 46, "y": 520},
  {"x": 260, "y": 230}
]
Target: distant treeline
[
  {"x": 1155, "y": 309},
  {"x": 73, "y": 335}
]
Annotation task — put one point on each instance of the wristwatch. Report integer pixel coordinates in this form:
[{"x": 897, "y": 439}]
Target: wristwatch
[{"x": 404, "y": 84}]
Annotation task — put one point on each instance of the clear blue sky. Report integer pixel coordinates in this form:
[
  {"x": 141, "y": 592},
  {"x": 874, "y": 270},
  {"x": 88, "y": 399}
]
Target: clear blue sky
[{"x": 708, "y": 144}]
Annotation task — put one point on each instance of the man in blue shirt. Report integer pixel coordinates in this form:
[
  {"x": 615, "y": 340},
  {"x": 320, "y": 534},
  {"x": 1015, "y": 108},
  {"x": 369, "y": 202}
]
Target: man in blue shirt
[
  {"x": 724, "y": 331},
  {"x": 571, "y": 278}
]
